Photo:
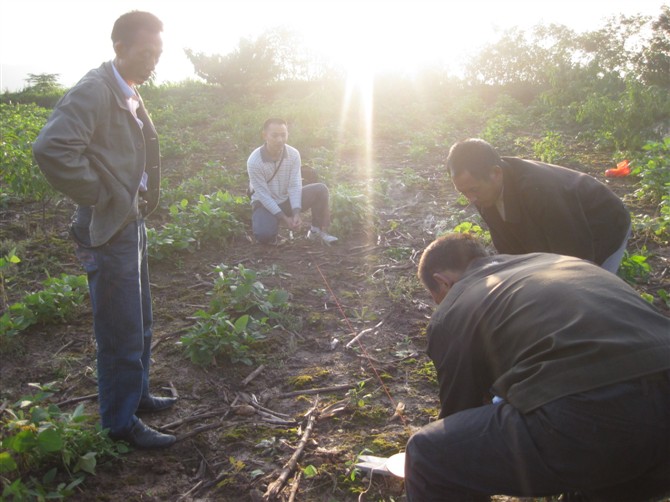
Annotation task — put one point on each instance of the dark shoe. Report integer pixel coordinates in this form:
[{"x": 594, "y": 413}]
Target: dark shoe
[
  {"x": 144, "y": 437},
  {"x": 155, "y": 403}
]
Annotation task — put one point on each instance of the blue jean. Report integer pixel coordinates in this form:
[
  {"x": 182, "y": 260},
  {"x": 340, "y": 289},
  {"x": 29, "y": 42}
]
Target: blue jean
[
  {"x": 265, "y": 225},
  {"x": 118, "y": 280},
  {"x": 613, "y": 262},
  {"x": 607, "y": 444}
]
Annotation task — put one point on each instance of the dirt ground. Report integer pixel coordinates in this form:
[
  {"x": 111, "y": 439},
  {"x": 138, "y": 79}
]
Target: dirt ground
[{"x": 366, "y": 282}]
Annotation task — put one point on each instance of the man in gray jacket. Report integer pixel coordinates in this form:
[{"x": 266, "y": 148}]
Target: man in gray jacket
[{"x": 100, "y": 148}]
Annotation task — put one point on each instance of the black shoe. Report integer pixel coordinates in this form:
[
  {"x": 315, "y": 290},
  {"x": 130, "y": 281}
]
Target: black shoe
[
  {"x": 154, "y": 403},
  {"x": 144, "y": 437}
]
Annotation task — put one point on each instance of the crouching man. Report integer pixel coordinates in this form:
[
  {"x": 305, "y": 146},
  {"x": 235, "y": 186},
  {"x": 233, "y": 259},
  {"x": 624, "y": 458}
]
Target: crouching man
[
  {"x": 277, "y": 194},
  {"x": 554, "y": 378}
]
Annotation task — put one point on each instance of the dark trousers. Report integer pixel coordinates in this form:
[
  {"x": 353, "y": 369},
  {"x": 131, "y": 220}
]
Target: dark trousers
[
  {"x": 118, "y": 280},
  {"x": 608, "y": 444}
]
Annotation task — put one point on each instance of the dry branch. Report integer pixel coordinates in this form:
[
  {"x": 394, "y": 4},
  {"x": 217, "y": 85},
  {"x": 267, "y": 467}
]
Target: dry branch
[
  {"x": 276, "y": 486},
  {"x": 77, "y": 400},
  {"x": 295, "y": 486},
  {"x": 359, "y": 335},
  {"x": 320, "y": 390},
  {"x": 193, "y": 418},
  {"x": 253, "y": 375}
]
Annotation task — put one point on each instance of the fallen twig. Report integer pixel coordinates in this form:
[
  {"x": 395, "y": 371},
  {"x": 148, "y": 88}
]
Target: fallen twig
[
  {"x": 253, "y": 375},
  {"x": 203, "y": 428},
  {"x": 295, "y": 486},
  {"x": 185, "y": 496},
  {"x": 63, "y": 348},
  {"x": 77, "y": 400},
  {"x": 320, "y": 390},
  {"x": 276, "y": 486},
  {"x": 193, "y": 418},
  {"x": 354, "y": 339}
]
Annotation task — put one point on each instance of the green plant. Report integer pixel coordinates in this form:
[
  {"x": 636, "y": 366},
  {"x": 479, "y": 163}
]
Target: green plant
[
  {"x": 59, "y": 301},
  {"x": 213, "y": 218},
  {"x": 7, "y": 261},
  {"x": 664, "y": 296},
  {"x": 634, "y": 267},
  {"x": 653, "y": 171},
  {"x": 216, "y": 334},
  {"x": 43, "y": 445},
  {"x": 19, "y": 126},
  {"x": 467, "y": 227},
  {"x": 358, "y": 395},
  {"x": 239, "y": 316},
  {"x": 350, "y": 210},
  {"x": 551, "y": 148}
]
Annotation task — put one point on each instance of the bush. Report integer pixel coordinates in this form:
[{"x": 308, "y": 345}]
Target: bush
[
  {"x": 19, "y": 126},
  {"x": 40, "y": 438},
  {"x": 240, "y": 314}
]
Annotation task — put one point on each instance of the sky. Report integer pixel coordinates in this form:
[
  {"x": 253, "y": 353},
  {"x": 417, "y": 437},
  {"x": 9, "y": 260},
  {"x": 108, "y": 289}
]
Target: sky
[{"x": 69, "y": 37}]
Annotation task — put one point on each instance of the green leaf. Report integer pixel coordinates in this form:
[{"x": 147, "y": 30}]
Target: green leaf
[
  {"x": 86, "y": 463},
  {"x": 7, "y": 463},
  {"x": 23, "y": 441},
  {"x": 310, "y": 471},
  {"x": 241, "y": 323},
  {"x": 49, "y": 440}
]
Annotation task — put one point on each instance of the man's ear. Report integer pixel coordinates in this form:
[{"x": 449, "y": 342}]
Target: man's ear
[
  {"x": 443, "y": 279},
  {"x": 119, "y": 48},
  {"x": 496, "y": 174},
  {"x": 444, "y": 283}
]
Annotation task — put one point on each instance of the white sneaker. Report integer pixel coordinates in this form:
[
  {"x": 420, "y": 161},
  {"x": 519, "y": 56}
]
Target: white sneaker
[{"x": 316, "y": 233}]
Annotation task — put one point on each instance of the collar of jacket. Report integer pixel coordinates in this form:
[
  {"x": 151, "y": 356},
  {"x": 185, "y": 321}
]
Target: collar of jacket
[{"x": 107, "y": 71}]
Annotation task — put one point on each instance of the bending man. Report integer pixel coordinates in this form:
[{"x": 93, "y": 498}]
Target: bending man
[
  {"x": 535, "y": 207},
  {"x": 554, "y": 377}
]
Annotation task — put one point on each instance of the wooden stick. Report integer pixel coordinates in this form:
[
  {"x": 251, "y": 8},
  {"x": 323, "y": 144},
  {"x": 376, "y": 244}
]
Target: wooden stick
[
  {"x": 193, "y": 418},
  {"x": 276, "y": 486},
  {"x": 77, "y": 399},
  {"x": 321, "y": 390},
  {"x": 253, "y": 375},
  {"x": 203, "y": 428},
  {"x": 294, "y": 488},
  {"x": 184, "y": 496},
  {"x": 354, "y": 339}
]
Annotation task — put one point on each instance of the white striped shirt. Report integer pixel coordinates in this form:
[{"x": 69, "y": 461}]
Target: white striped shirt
[{"x": 286, "y": 184}]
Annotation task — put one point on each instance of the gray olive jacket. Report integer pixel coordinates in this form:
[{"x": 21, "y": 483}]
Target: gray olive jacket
[{"x": 93, "y": 150}]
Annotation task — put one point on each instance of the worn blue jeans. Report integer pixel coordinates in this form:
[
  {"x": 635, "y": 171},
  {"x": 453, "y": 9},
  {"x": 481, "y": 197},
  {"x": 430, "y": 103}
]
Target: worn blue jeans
[
  {"x": 608, "y": 444},
  {"x": 118, "y": 280}
]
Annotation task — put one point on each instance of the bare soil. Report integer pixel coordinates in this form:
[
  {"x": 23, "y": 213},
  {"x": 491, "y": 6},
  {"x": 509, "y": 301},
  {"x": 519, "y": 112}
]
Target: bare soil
[{"x": 336, "y": 292}]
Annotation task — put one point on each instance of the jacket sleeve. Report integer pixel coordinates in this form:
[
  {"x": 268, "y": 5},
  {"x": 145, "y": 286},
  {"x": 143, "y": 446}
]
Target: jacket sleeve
[
  {"x": 295, "y": 182},
  {"x": 461, "y": 385},
  {"x": 61, "y": 148}
]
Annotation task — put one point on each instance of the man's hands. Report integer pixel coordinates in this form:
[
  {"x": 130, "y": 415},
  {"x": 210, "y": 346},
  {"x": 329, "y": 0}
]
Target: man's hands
[{"x": 293, "y": 222}]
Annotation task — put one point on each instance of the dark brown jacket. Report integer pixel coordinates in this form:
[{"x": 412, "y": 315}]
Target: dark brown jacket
[{"x": 553, "y": 209}]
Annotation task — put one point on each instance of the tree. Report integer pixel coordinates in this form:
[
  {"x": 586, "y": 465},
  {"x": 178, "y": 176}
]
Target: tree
[
  {"x": 255, "y": 64},
  {"x": 654, "y": 60},
  {"x": 43, "y": 82}
]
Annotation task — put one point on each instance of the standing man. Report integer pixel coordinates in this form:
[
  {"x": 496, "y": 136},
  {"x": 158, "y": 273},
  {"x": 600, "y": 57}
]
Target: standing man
[
  {"x": 554, "y": 377},
  {"x": 100, "y": 148},
  {"x": 277, "y": 194},
  {"x": 535, "y": 207}
]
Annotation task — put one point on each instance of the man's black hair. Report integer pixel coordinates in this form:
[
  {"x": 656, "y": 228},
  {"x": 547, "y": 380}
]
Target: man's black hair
[
  {"x": 129, "y": 24},
  {"x": 271, "y": 121},
  {"x": 474, "y": 156},
  {"x": 449, "y": 252}
]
